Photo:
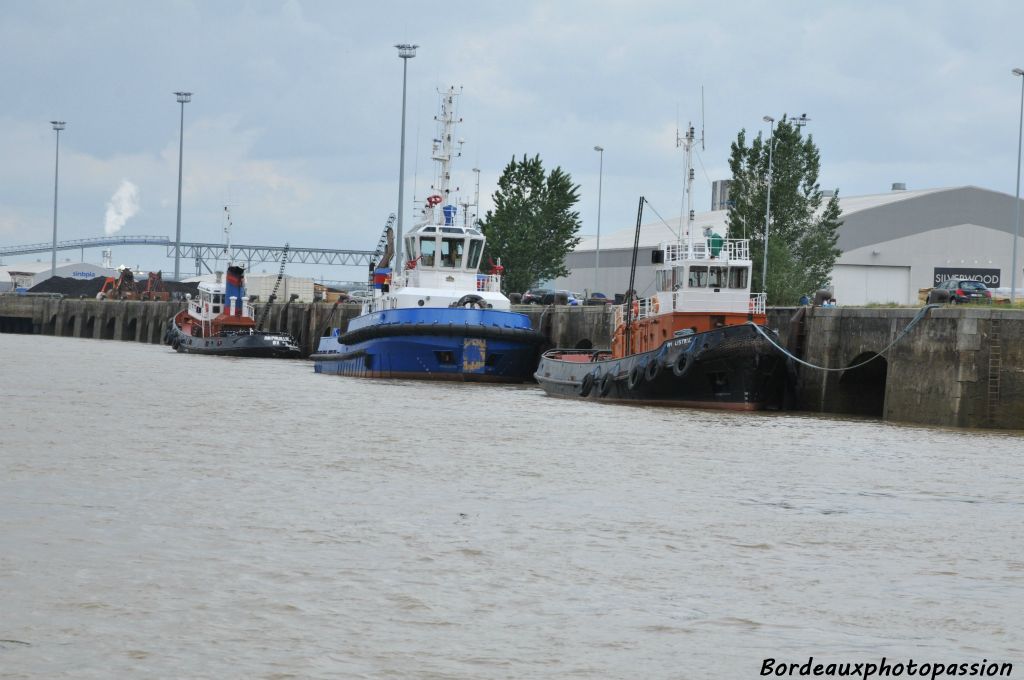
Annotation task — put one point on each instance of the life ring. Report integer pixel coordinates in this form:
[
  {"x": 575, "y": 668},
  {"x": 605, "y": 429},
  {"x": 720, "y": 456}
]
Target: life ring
[
  {"x": 636, "y": 309},
  {"x": 434, "y": 200},
  {"x": 605, "y": 388},
  {"x": 587, "y": 385},
  {"x": 653, "y": 370},
  {"x": 682, "y": 364},
  {"x": 636, "y": 376}
]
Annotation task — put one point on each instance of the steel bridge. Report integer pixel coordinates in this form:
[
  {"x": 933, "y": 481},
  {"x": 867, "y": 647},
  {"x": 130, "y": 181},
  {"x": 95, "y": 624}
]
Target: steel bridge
[{"x": 201, "y": 252}]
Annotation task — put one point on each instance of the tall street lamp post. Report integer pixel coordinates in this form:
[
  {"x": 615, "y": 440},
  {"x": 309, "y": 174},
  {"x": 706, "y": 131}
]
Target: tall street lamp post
[
  {"x": 405, "y": 53},
  {"x": 1016, "y": 203},
  {"x": 768, "y": 208},
  {"x": 183, "y": 98},
  {"x": 597, "y": 249},
  {"x": 58, "y": 125}
]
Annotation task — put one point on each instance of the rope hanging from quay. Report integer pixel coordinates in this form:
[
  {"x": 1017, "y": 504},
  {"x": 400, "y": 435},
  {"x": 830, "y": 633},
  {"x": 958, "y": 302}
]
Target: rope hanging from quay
[{"x": 913, "y": 322}]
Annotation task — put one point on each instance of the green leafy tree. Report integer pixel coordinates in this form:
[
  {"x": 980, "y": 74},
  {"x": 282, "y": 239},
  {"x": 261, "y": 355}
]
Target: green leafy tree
[
  {"x": 533, "y": 225},
  {"x": 804, "y": 227}
]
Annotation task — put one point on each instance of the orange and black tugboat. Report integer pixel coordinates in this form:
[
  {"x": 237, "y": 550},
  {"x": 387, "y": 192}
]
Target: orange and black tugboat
[
  {"x": 219, "y": 320},
  {"x": 695, "y": 342}
]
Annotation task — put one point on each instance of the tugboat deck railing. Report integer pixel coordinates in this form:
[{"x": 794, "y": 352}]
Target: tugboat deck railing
[{"x": 699, "y": 248}]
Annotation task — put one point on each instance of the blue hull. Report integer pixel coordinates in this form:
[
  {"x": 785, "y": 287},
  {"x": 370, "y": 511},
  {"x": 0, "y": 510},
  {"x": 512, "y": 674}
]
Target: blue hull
[{"x": 433, "y": 344}]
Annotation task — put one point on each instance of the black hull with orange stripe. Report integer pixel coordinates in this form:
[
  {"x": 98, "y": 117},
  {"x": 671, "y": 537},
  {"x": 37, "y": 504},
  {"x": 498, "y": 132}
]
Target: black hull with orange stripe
[{"x": 732, "y": 367}]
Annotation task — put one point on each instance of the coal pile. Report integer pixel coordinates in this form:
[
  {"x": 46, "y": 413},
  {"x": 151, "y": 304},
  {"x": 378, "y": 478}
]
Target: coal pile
[
  {"x": 70, "y": 287},
  {"x": 89, "y": 288}
]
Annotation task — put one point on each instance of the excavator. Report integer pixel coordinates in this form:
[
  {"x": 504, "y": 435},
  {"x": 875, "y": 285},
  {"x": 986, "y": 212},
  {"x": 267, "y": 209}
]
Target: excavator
[
  {"x": 155, "y": 289},
  {"x": 121, "y": 288}
]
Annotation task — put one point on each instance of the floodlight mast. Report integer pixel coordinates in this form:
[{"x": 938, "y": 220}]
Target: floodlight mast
[
  {"x": 183, "y": 98},
  {"x": 405, "y": 53},
  {"x": 1016, "y": 203},
  {"x": 768, "y": 207},
  {"x": 58, "y": 125}
]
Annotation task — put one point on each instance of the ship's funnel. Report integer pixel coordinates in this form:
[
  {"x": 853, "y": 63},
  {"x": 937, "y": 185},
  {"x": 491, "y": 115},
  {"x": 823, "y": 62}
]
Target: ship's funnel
[{"x": 234, "y": 287}]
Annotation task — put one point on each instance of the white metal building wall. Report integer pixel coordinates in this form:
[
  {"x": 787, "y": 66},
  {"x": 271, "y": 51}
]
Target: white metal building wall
[{"x": 854, "y": 284}]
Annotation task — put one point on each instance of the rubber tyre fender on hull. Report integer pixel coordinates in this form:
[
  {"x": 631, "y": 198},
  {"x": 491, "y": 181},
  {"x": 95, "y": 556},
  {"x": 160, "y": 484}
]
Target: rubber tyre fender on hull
[
  {"x": 587, "y": 385},
  {"x": 605, "y": 388},
  {"x": 653, "y": 370},
  {"x": 525, "y": 335},
  {"x": 682, "y": 364},
  {"x": 636, "y": 376}
]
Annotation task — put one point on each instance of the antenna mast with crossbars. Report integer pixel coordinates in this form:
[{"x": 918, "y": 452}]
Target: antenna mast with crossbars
[{"x": 687, "y": 141}]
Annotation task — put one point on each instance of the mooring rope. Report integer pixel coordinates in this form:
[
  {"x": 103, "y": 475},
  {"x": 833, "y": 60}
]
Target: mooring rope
[{"x": 913, "y": 322}]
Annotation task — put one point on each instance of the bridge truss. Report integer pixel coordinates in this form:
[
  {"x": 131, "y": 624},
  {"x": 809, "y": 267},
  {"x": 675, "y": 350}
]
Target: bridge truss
[{"x": 201, "y": 252}]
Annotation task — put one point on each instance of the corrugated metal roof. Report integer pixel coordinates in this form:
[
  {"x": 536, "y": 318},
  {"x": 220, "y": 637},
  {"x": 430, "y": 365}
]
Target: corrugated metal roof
[{"x": 654, "y": 233}]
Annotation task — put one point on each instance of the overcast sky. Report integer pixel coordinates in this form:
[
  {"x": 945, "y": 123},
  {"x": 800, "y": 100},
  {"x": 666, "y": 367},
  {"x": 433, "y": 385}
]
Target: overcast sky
[{"x": 296, "y": 112}]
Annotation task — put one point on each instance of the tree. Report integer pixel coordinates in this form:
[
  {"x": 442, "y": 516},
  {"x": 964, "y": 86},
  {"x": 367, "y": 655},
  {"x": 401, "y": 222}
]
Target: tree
[
  {"x": 802, "y": 236},
  {"x": 533, "y": 225}
]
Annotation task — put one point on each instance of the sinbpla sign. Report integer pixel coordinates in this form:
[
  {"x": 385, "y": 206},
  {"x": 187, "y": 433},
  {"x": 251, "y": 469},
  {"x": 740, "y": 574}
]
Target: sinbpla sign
[{"x": 990, "y": 277}]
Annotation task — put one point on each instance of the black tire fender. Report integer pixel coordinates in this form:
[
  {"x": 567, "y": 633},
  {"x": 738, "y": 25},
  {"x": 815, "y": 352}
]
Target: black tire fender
[
  {"x": 682, "y": 364},
  {"x": 605, "y": 388},
  {"x": 587, "y": 385},
  {"x": 653, "y": 370},
  {"x": 636, "y": 376}
]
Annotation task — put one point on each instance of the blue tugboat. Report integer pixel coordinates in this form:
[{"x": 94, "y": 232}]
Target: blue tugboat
[{"x": 439, "y": 319}]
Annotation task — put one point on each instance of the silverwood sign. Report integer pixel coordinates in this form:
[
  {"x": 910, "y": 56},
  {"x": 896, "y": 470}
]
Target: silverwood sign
[{"x": 990, "y": 277}]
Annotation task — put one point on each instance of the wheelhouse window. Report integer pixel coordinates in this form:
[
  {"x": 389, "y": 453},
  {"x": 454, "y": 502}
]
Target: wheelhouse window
[
  {"x": 476, "y": 249},
  {"x": 427, "y": 248},
  {"x": 451, "y": 252},
  {"x": 678, "y": 277},
  {"x": 717, "y": 276},
  {"x": 698, "y": 277},
  {"x": 663, "y": 279},
  {"x": 738, "y": 277}
]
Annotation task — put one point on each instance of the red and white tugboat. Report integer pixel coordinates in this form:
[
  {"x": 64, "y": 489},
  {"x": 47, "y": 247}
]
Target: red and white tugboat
[
  {"x": 220, "y": 320},
  {"x": 692, "y": 343}
]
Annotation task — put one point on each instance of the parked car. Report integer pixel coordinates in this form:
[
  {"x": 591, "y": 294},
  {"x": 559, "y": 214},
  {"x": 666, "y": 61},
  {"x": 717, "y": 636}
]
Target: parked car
[
  {"x": 549, "y": 297},
  {"x": 535, "y": 295},
  {"x": 598, "y": 299},
  {"x": 961, "y": 291}
]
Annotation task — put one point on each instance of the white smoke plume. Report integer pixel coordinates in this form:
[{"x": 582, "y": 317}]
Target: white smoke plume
[{"x": 121, "y": 206}]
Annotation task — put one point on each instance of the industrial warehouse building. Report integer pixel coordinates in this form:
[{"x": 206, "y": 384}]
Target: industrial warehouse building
[
  {"x": 892, "y": 245},
  {"x": 26, "y": 275}
]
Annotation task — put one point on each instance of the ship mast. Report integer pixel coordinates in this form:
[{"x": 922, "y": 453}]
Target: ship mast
[
  {"x": 446, "y": 147},
  {"x": 227, "y": 235},
  {"x": 687, "y": 143}
]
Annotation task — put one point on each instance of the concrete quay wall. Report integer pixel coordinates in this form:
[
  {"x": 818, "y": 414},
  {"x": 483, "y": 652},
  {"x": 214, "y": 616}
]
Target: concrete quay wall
[
  {"x": 959, "y": 366},
  {"x": 139, "y": 321}
]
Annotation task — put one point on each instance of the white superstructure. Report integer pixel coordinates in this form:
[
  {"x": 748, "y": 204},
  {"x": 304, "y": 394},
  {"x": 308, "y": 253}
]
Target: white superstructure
[{"x": 444, "y": 255}]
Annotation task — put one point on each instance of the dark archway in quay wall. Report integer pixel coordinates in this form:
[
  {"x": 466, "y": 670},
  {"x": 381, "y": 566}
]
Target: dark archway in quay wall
[
  {"x": 129, "y": 330},
  {"x": 862, "y": 389}
]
